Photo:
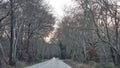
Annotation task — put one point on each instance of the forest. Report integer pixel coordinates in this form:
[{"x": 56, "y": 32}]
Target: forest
[{"x": 88, "y": 33}]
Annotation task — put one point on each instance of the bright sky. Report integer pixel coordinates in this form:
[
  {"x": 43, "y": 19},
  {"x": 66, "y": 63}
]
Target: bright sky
[
  {"x": 118, "y": 3},
  {"x": 58, "y": 6}
]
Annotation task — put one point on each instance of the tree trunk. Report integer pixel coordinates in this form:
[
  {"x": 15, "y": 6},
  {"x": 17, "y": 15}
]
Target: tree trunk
[
  {"x": 63, "y": 50},
  {"x": 115, "y": 56},
  {"x": 11, "y": 54},
  {"x": 3, "y": 54},
  {"x": 28, "y": 44}
]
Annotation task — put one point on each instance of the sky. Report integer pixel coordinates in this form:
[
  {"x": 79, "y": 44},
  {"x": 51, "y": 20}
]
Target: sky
[{"x": 58, "y": 6}]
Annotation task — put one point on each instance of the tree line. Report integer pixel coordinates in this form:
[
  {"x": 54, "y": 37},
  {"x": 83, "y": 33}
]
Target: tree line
[{"x": 21, "y": 22}]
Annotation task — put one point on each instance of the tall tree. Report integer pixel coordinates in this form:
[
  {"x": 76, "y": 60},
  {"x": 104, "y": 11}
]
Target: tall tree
[{"x": 12, "y": 19}]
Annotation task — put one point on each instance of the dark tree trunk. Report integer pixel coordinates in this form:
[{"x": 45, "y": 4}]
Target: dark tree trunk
[
  {"x": 63, "y": 50},
  {"x": 115, "y": 56},
  {"x": 28, "y": 44},
  {"x": 11, "y": 55}
]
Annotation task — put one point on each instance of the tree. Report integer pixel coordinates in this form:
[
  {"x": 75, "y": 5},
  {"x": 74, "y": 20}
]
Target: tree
[
  {"x": 104, "y": 15},
  {"x": 3, "y": 57},
  {"x": 12, "y": 57}
]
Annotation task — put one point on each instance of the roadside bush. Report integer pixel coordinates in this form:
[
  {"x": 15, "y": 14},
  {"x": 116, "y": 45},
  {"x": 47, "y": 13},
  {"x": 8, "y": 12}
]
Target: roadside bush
[
  {"x": 93, "y": 64},
  {"x": 20, "y": 64}
]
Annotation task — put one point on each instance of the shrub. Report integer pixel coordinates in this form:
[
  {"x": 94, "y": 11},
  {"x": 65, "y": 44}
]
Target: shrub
[
  {"x": 109, "y": 65},
  {"x": 20, "y": 64},
  {"x": 93, "y": 64}
]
